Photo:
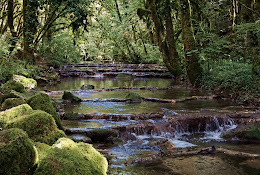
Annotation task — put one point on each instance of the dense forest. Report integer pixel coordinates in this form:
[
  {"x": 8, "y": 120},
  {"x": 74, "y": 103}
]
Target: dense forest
[{"x": 211, "y": 46}]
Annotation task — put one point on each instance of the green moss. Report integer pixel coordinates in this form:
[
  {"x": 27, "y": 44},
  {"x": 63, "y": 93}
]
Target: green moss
[
  {"x": 125, "y": 76},
  {"x": 17, "y": 152},
  {"x": 43, "y": 102},
  {"x": 69, "y": 96},
  {"x": 11, "y": 94},
  {"x": 14, "y": 86},
  {"x": 67, "y": 158},
  {"x": 12, "y": 102},
  {"x": 28, "y": 83},
  {"x": 39, "y": 125},
  {"x": 13, "y": 113},
  {"x": 133, "y": 97},
  {"x": 42, "y": 149},
  {"x": 250, "y": 131}
]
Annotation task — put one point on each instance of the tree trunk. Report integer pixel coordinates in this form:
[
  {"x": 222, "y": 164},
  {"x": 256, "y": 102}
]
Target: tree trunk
[
  {"x": 10, "y": 21},
  {"x": 193, "y": 67}
]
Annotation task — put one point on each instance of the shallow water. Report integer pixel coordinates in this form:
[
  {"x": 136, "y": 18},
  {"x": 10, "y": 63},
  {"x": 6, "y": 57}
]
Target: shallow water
[{"x": 133, "y": 149}]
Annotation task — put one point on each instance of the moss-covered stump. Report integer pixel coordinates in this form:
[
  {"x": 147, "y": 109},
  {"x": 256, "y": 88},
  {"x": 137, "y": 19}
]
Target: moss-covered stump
[
  {"x": 13, "y": 113},
  {"x": 67, "y": 158},
  {"x": 28, "y": 83},
  {"x": 125, "y": 76},
  {"x": 247, "y": 132},
  {"x": 43, "y": 102},
  {"x": 39, "y": 125},
  {"x": 133, "y": 97},
  {"x": 12, "y": 102},
  {"x": 13, "y": 85},
  {"x": 87, "y": 86},
  {"x": 17, "y": 151},
  {"x": 70, "y": 97}
]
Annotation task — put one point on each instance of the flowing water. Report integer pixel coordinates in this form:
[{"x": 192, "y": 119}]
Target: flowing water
[{"x": 138, "y": 156}]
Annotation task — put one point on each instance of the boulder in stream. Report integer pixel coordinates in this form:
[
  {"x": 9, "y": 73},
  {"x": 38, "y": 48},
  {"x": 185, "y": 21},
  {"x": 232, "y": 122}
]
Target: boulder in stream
[
  {"x": 18, "y": 154},
  {"x": 134, "y": 98},
  {"x": 87, "y": 86},
  {"x": 70, "y": 97},
  {"x": 67, "y": 157},
  {"x": 43, "y": 102}
]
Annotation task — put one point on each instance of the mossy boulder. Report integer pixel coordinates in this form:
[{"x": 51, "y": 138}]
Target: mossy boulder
[
  {"x": 67, "y": 157},
  {"x": 13, "y": 113},
  {"x": 11, "y": 94},
  {"x": 43, "y": 102},
  {"x": 247, "y": 132},
  {"x": 39, "y": 125},
  {"x": 87, "y": 86},
  {"x": 28, "y": 83},
  {"x": 18, "y": 154},
  {"x": 12, "y": 102},
  {"x": 13, "y": 85},
  {"x": 133, "y": 97},
  {"x": 70, "y": 97},
  {"x": 125, "y": 76}
]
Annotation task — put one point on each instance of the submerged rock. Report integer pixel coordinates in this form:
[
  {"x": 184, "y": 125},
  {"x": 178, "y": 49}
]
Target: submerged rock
[
  {"x": 12, "y": 102},
  {"x": 28, "y": 83},
  {"x": 133, "y": 97},
  {"x": 17, "y": 151},
  {"x": 43, "y": 102},
  {"x": 70, "y": 97},
  {"x": 13, "y": 85},
  {"x": 39, "y": 125},
  {"x": 87, "y": 86},
  {"x": 67, "y": 157}
]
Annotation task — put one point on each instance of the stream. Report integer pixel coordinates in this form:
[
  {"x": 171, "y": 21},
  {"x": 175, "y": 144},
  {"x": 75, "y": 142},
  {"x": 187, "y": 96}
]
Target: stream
[{"x": 189, "y": 126}]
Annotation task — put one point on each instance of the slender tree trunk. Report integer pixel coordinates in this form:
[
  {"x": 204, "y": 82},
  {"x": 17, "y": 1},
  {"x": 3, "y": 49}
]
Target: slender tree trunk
[
  {"x": 10, "y": 21},
  {"x": 193, "y": 67}
]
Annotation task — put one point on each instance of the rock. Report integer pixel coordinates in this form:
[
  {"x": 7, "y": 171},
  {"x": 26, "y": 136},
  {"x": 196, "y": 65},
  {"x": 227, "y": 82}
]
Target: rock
[
  {"x": 28, "y": 83},
  {"x": 13, "y": 113},
  {"x": 246, "y": 132},
  {"x": 102, "y": 135},
  {"x": 70, "y": 116},
  {"x": 87, "y": 86},
  {"x": 69, "y": 96},
  {"x": 13, "y": 85},
  {"x": 125, "y": 76},
  {"x": 18, "y": 154},
  {"x": 134, "y": 98},
  {"x": 43, "y": 102},
  {"x": 39, "y": 125},
  {"x": 166, "y": 146},
  {"x": 12, "y": 102},
  {"x": 67, "y": 157},
  {"x": 11, "y": 94}
]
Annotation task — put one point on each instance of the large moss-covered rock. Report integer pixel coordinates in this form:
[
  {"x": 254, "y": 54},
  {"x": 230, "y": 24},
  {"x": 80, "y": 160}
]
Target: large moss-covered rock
[
  {"x": 67, "y": 157},
  {"x": 70, "y": 97},
  {"x": 28, "y": 83},
  {"x": 133, "y": 97},
  {"x": 17, "y": 151},
  {"x": 39, "y": 125},
  {"x": 247, "y": 132},
  {"x": 11, "y": 84},
  {"x": 11, "y": 94},
  {"x": 13, "y": 113},
  {"x": 43, "y": 102},
  {"x": 12, "y": 102}
]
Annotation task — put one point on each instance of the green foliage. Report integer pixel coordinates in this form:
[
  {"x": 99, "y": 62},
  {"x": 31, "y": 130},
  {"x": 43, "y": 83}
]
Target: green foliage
[
  {"x": 17, "y": 152},
  {"x": 67, "y": 157},
  {"x": 60, "y": 49},
  {"x": 43, "y": 102}
]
